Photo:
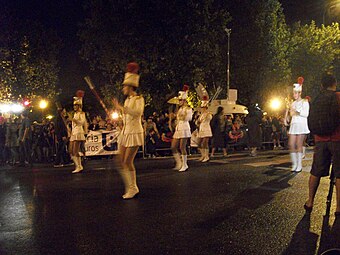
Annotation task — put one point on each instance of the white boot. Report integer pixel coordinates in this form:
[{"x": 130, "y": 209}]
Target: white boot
[
  {"x": 178, "y": 162},
  {"x": 79, "y": 167},
  {"x": 299, "y": 162},
  {"x": 74, "y": 159},
  {"x": 293, "y": 157},
  {"x": 303, "y": 152},
  {"x": 184, "y": 164},
  {"x": 206, "y": 155},
  {"x": 133, "y": 188}
]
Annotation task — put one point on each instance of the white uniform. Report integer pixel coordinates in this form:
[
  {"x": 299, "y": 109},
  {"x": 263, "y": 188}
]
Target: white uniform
[
  {"x": 205, "y": 129},
  {"x": 79, "y": 126},
  {"x": 299, "y": 124},
  {"x": 184, "y": 115},
  {"x": 132, "y": 133}
]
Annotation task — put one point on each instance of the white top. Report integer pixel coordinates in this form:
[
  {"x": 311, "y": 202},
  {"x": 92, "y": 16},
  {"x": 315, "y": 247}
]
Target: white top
[
  {"x": 204, "y": 128},
  {"x": 79, "y": 124},
  {"x": 299, "y": 123},
  {"x": 132, "y": 115},
  {"x": 184, "y": 115},
  {"x": 302, "y": 108}
]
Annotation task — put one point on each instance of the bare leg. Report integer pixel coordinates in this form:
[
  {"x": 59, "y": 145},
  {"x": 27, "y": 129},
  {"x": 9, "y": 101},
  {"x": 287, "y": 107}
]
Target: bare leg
[
  {"x": 205, "y": 145},
  {"x": 76, "y": 157},
  {"x": 313, "y": 187},
  {"x": 213, "y": 152},
  {"x": 130, "y": 155},
  {"x": 124, "y": 170},
  {"x": 177, "y": 157},
  {"x": 183, "y": 146},
  {"x": 292, "y": 141},
  {"x": 338, "y": 195}
]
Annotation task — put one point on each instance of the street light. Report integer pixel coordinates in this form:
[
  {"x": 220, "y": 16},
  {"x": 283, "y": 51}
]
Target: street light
[
  {"x": 43, "y": 104},
  {"x": 115, "y": 115},
  {"x": 228, "y": 31},
  {"x": 331, "y": 4},
  {"x": 275, "y": 104}
]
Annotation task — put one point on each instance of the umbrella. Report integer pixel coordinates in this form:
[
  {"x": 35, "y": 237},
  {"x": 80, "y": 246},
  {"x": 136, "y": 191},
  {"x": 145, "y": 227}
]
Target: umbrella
[{"x": 173, "y": 100}]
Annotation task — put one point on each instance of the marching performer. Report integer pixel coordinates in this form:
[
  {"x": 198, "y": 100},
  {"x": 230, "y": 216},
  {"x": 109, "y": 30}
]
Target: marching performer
[
  {"x": 182, "y": 131},
  {"x": 132, "y": 134},
  {"x": 299, "y": 111},
  {"x": 79, "y": 129},
  {"x": 204, "y": 132}
]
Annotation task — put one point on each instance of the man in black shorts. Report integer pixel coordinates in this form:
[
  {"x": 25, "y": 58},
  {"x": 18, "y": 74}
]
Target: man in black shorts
[{"x": 326, "y": 152}]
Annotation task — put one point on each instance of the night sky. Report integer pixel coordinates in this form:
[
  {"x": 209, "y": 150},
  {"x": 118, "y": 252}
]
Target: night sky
[{"x": 64, "y": 17}]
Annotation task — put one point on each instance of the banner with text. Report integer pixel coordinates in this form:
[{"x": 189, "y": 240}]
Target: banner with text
[{"x": 101, "y": 143}]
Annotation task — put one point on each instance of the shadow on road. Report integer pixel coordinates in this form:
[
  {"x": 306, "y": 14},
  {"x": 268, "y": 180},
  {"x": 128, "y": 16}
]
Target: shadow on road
[
  {"x": 251, "y": 199},
  {"x": 305, "y": 242}
]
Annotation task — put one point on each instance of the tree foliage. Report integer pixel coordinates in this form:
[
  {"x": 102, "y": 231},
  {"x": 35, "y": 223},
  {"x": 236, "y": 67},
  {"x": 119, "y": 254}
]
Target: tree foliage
[
  {"x": 315, "y": 50},
  {"x": 175, "y": 42},
  {"x": 28, "y": 60},
  {"x": 260, "y": 50}
]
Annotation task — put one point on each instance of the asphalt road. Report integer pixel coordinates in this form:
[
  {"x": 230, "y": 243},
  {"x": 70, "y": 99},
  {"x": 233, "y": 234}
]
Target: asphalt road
[{"x": 238, "y": 205}]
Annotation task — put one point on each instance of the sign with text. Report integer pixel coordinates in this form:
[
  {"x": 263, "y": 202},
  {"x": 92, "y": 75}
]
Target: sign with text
[{"x": 101, "y": 143}]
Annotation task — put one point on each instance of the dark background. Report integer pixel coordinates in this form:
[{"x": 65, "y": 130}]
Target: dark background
[{"x": 64, "y": 16}]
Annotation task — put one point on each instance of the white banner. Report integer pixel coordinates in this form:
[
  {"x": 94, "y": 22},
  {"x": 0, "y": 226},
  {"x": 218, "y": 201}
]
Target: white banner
[{"x": 101, "y": 143}]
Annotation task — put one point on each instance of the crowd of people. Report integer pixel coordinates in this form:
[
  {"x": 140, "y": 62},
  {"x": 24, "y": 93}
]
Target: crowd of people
[{"x": 229, "y": 131}]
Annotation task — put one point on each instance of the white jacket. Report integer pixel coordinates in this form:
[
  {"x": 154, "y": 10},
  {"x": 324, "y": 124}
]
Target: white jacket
[
  {"x": 79, "y": 124},
  {"x": 132, "y": 115},
  {"x": 302, "y": 107}
]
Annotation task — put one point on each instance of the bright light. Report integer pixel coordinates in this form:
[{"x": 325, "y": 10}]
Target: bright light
[
  {"x": 4, "y": 108},
  {"x": 43, "y": 104},
  {"x": 275, "y": 104},
  {"x": 115, "y": 115},
  {"x": 26, "y": 103},
  {"x": 49, "y": 117},
  {"x": 16, "y": 108}
]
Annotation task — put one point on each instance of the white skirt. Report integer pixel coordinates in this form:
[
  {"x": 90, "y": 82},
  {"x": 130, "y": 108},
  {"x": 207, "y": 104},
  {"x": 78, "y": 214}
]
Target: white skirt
[
  {"x": 131, "y": 140},
  {"x": 204, "y": 133},
  {"x": 298, "y": 129},
  {"x": 182, "y": 134},
  {"x": 77, "y": 137}
]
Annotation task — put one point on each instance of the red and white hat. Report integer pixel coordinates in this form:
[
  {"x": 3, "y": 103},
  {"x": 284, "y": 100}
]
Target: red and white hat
[
  {"x": 298, "y": 86},
  {"x": 131, "y": 77},
  {"x": 78, "y": 99},
  {"x": 183, "y": 94}
]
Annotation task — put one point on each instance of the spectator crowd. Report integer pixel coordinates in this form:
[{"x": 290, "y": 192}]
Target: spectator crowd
[{"x": 24, "y": 143}]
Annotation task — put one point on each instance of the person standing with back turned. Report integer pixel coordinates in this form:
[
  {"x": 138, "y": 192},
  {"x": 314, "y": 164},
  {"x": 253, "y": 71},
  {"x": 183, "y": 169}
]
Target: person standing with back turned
[{"x": 324, "y": 122}]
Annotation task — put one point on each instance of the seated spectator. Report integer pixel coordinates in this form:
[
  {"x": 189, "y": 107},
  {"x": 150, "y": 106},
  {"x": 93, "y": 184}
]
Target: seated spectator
[
  {"x": 94, "y": 125},
  {"x": 235, "y": 134}
]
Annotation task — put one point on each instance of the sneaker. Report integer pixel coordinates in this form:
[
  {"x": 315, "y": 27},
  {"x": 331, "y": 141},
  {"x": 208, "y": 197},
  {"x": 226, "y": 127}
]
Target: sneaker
[{"x": 58, "y": 166}]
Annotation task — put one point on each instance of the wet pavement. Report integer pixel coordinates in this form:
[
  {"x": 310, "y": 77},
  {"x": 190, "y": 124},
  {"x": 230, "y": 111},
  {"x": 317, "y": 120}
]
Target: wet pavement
[{"x": 238, "y": 205}]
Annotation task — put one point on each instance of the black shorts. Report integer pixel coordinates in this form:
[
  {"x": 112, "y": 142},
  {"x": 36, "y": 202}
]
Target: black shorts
[{"x": 325, "y": 154}]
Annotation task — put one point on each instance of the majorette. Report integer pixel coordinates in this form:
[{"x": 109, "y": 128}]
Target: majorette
[
  {"x": 79, "y": 129},
  {"x": 182, "y": 131},
  {"x": 132, "y": 134},
  {"x": 299, "y": 111},
  {"x": 204, "y": 130}
]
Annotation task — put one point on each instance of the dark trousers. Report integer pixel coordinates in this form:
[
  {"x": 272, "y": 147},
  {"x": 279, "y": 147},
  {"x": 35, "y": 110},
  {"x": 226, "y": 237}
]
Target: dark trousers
[
  {"x": 61, "y": 155},
  {"x": 25, "y": 149}
]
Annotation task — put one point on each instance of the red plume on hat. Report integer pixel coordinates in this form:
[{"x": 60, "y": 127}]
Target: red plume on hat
[
  {"x": 300, "y": 80},
  {"x": 185, "y": 88},
  {"x": 132, "y": 67},
  {"x": 80, "y": 93},
  {"x": 205, "y": 98}
]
